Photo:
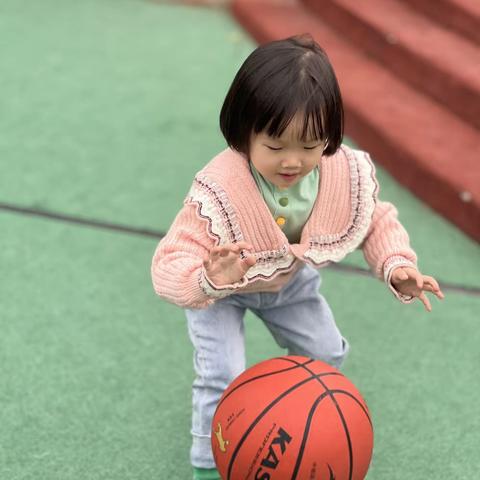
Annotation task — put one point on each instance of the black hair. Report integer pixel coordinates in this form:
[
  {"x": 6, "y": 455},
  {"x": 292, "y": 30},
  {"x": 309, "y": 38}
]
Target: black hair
[{"x": 277, "y": 81}]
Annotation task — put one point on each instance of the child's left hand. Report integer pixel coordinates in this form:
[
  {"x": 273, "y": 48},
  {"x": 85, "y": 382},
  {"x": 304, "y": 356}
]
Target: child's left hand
[{"x": 411, "y": 282}]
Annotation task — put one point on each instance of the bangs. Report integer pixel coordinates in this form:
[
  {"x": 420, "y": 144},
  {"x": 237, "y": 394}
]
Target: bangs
[
  {"x": 302, "y": 98},
  {"x": 310, "y": 124}
]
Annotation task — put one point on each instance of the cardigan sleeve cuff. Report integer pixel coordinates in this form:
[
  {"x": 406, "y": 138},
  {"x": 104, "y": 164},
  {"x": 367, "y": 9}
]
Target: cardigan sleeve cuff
[
  {"x": 388, "y": 267},
  {"x": 216, "y": 291}
]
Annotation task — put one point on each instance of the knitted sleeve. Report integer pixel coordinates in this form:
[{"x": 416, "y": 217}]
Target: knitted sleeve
[
  {"x": 177, "y": 269},
  {"x": 387, "y": 246}
]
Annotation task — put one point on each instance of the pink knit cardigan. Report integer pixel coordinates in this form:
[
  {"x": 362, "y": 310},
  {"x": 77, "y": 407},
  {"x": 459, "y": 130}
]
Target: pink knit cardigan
[{"x": 224, "y": 205}]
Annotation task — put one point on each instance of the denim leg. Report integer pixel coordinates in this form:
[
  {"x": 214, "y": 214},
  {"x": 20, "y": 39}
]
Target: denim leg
[
  {"x": 217, "y": 334},
  {"x": 300, "y": 320}
]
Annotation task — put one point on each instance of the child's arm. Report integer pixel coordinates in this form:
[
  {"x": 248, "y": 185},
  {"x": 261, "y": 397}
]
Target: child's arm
[
  {"x": 185, "y": 255},
  {"x": 387, "y": 250}
]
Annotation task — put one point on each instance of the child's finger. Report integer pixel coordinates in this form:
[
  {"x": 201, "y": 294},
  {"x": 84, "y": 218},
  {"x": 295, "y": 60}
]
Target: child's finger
[
  {"x": 234, "y": 247},
  {"x": 431, "y": 281},
  {"x": 249, "y": 261},
  {"x": 438, "y": 293},
  {"x": 244, "y": 245},
  {"x": 428, "y": 287},
  {"x": 401, "y": 274},
  {"x": 419, "y": 281},
  {"x": 225, "y": 250},
  {"x": 425, "y": 301},
  {"x": 434, "y": 287},
  {"x": 219, "y": 252}
]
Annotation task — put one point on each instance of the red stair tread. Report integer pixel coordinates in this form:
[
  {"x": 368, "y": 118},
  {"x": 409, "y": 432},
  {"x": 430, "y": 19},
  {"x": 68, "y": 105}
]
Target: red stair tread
[
  {"x": 404, "y": 130},
  {"x": 414, "y": 47},
  {"x": 469, "y": 6},
  {"x": 441, "y": 47},
  {"x": 462, "y": 16}
]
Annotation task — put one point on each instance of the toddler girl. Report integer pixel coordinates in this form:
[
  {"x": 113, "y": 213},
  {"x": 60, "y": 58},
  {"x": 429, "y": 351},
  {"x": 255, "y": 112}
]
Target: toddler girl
[{"x": 285, "y": 199}]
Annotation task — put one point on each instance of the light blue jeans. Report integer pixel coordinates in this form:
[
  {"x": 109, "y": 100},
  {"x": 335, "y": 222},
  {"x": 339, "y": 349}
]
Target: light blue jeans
[{"x": 297, "y": 316}]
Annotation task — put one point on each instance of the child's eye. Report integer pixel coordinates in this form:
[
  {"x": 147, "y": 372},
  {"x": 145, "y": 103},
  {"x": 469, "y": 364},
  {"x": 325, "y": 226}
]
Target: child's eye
[
  {"x": 311, "y": 148},
  {"x": 273, "y": 148}
]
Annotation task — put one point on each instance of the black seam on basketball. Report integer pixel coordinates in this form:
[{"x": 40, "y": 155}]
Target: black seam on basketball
[
  {"x": 288, "y": 359},
  {"x": 337, "y": 372},
  {"x": 342, "y": 418},
  {"x": 305, "y": 434},
  {"x": 343, "y": 391},
  {"x": 365, "y": 411},
  {"x": 262, "y": 376},
  {"x": 259, "y": 417},
  {"x": 328, "y": 392},
  {"x": 347, "y": 433}
]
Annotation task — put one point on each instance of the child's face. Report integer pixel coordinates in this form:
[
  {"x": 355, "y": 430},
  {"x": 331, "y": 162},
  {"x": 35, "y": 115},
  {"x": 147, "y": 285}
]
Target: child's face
[{"x": 285, "y": 160}]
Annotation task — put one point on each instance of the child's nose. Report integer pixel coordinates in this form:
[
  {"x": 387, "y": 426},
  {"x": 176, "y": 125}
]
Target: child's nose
[{"x": 292, "y": 162}]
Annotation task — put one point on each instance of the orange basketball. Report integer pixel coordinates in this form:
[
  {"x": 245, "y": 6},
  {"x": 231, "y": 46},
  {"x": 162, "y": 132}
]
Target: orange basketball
[{"x": 292, "y": 418}]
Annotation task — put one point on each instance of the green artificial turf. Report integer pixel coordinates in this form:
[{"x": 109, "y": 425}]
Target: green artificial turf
[{"x": 107, "y": 109}]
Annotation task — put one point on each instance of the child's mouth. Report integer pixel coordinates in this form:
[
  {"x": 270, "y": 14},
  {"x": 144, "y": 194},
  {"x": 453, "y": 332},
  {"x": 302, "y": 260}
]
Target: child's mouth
[{"x": 288, "y": 177}]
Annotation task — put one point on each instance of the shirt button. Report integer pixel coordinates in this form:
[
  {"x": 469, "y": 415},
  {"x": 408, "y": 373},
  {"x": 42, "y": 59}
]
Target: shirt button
[
  {"x": 283, "y": 201},
  {"x": 281, "y": 221}
]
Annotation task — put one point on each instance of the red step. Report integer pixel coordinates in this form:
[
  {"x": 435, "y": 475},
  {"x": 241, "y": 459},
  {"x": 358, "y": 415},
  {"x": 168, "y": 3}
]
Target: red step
[
  {"x": 461, "y": 16},
  {"x": 427, "y": 148},
  {"x": 431, "y": 58}
]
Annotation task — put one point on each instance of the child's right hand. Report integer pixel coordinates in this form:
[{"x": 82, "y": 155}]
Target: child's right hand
[{"x": 224, "y": 265}]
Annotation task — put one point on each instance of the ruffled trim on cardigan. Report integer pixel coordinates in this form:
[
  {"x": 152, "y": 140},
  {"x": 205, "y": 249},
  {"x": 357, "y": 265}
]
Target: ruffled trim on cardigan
[
  {"x": 270, "y": 263},
  {"x": 363, "y": 194},
  {"x": 213, "y": 205}
]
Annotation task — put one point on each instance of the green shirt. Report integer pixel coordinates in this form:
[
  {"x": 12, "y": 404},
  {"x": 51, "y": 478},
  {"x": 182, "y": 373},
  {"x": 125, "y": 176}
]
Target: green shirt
[{"x": 293, "y": 204}]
